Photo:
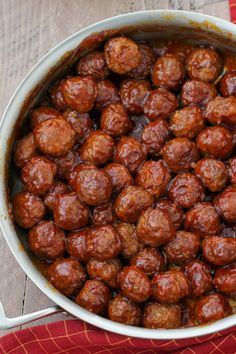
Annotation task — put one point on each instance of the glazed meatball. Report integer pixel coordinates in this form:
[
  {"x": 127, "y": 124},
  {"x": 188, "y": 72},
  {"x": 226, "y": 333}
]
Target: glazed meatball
[
  {"x": 219, "y": 250},
  {"x": 114, "y": 120},
  {"x": 155, "y": 227},
  {"x": 103, "y": 242},
  {"x": 120, "y": 176},
  {"x": 107, "y": 93},
  {"x": 98, "y": 148},
  {"x": 66, "y": 163},
  {"x": 41, "y": 114},
  {"x": 67, "y": 275},
  {"x": 133, "y": 94},
  {"x": 70, "y": 213},
  {"x": 197, "y": 92},
  {"x": 186, "y": 190},
  {"x": 131, "y": 202},
  {"x": 76, "y": 245},
  {"x": 106, "y": 270},
  {"x": 153, "y": 177},
  {"x": 160, "y": 103},
  {"x": 232, "y": 170},
  {"x": 187, "y": 122},
  {"x": 215, "y": 142},
  {"x": 103, "y": 215},
  {"x": 38, "y": 175},
  {"x": 157, "y": 315},
  {"x": 79, "y": 93},
  {"x": 203, "y": 64},
  {"x": 28, "y": 209},
  {"x": 93, "y": 64},
  {"x": 130, "y": 153},
  {"x": 94, "y": 296},
  {"x": 212, "y": 308},
  {"x": 175, "y": 212},
  {"x": 54, "y": 136},
  {"x": 134, "y": 284},
  {"x": 147, "y": 59},
  {"x": 170, "y": 286},
  {"x": 203, "y": 219},
  {"x": 225, "y": 280},
  {"x": 179, "y": 154},
  {"x": 168, "y": 71},
  {"x": 81, "y": 123},
  {"x": 124, "y": 311},
  {"x": 155, "y": 135},
  {"x": 225, "y": 204},
  {"x": 25, "y": 148},
  {"x": 149, "y": 260},
  {"x": 199, "y": 277},
  {"x": 46, "y": 240},
  {"x": 52, "y": 196},
  {"x": 129, "y": 239},
  {"x": 228, "y": 84},
  {"x": 122, "y": 55},
  {"x": 221, "y": 110},
  {"x": 57, "y": 98},
  {"x": 75, "y": 172},
  {"x": 213, "y": 173}
]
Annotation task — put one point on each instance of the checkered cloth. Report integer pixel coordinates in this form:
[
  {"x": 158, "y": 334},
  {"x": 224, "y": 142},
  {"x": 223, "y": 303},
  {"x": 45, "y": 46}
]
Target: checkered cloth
[{"x": 232, "y": 7}]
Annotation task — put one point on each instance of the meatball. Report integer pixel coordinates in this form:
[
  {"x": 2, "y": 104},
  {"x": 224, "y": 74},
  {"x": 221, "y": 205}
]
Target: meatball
[
  {"x": 197, "y": 92},
  {"x": 70, "y": 213},
  {"x": 157, "y": 315},
  {"x": 76, "y": 245},
  {"x": 103, "y": 242},
  {"x": 168, "y": 72},
  {"x": 199, "y": 277},
  {"x": 106, "y": 270},
  {"x": 54, "y": 136},
  {"x": 221, "y": 110},
  {"x": 57, "y": 98},
  {"x": 186, "y": 190},
  {"x": 52, "y": 196},
  {"x": 122, "y": 55},
  {"x": 131, "y": 202},
  {"x": 41, "y": 114},
  {"x": 81, "y": 123},
  {"x": 212, "y": 308},
  {"x": 187, "y": 122},
  {"x": 134, "y": 284},
  {"x": 155, "y": 227},
  {"x": 79, "y": 93},
  {"x": 203, "y": 219},
  {"x": 28, "y": 209},
  {"x": 170, "y": 286},
  {"x": 225, "y": 280},
  {"x": 175, "y": 212},
  {"x": 124, "y": 311},
  {"x": 149, "y": 260},
  {"x": 93, "y": 64},
  {"x": 133, "y": 94},
  {"x": 103, "y": 215},
  {"x": 46, "y": 240},
  {"x": 232, "y": 170},
  {"x": 130, "y": 153},
  {"x": 66, "y": 163},
  {"x": 225, "y": 204},
  {"x": 114, "y": 120},
  {"x": 228, "y": 84},
  {"x": 94, "y": 296},
  {"x": 155, "y": 135},
  {"x": 38, "y": 174},
  {"x": 215, "y": 142},
  {"x": 219, "y": 250},
  {"x": 203, "y": 64},
  {"x": 107, "y": 93},
  {"x": 153, "y": 177},
  {"x": 120, "y": 176},
  {"x": 212, "y": 172},
  {"x": 98, "y": 148},
  {"x": 180, "y": 154},
  {"x": 147, "y": 59},
  {"x": 25, "y": 148},
  {"x": 129, "y": 239},
  {"x": 160, "y": 103},
  {"x": 67, "y": 275}
]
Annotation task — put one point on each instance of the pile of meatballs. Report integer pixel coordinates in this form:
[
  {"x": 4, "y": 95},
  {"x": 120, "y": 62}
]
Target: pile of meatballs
[{"x": 128, "y": 184}]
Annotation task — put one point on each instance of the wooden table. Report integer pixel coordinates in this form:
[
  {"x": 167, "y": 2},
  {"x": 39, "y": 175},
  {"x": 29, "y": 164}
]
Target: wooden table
[{"x": 28, "y": 29}]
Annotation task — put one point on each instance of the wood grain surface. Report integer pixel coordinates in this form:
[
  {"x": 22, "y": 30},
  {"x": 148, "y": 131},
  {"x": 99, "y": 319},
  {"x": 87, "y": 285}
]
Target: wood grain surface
[{"x": 28, "y": 30}]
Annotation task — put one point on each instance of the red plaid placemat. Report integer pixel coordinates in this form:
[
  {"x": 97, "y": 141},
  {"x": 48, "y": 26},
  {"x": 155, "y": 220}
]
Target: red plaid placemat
[{"x": 232, "y": 7}]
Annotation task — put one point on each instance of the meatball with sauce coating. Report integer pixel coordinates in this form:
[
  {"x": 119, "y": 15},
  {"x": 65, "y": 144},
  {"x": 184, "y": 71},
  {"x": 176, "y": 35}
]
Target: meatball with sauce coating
[
  {"x": 199, "y": 277},
  {"x": 175, "y": 212},
  {"x": 124, "y": 311},
  {"x": 147, "y": 59},
  {"x": 212, "y": 308},
  {"x": 76, "y": 245},
  {"x": 81, "y": 123},
  {"x": 120, "y": 176},
  {"x": 150, "y": 260},
  {"x": 221, "y": 110},
  {"x": 93, "y": 64},
  {"x": 41, "y": 114},
  {"x": 107, "y": 93},
  {"x": 225, "y": 280},
  {"x": 219, "y": 250},
  {"x": 157, "y": 315},
  {"x": 133, "y": 94},
  {"x": 197, "y": 92},
  {"x": 52, "y": 196},
  {"x": 228, "y": 84},
  {"x": 114, "y": 120},
  {"x": 225, "y": 204},
  {"x": 66, "y": 163},
  {"x": 106, "y": 270},
  {"x": 57, "y": 98},
  {"x": 129, "y": 239},
  {"x": 232, "y": 170},
  {"x": 25, "y": 148},
  {"x": 103, "y": 215},
  {"x": 160, "y": 103}
]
